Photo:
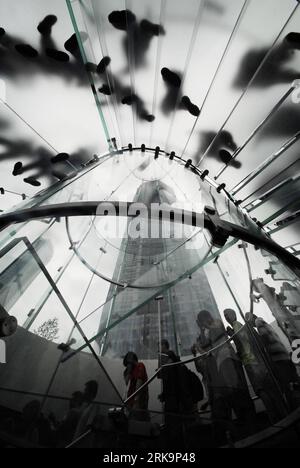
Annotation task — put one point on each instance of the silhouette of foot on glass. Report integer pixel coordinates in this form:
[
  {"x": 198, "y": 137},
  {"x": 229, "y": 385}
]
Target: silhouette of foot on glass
[
  {"x": 173, "y": 94},
  {"x": 171, "y": 78},
  {"x": 18, "y": 168},
  {"x": 91, "y": 67},
  {"x": 189, "y": 106},
  {"x": 105, "y": 89},
  {"x": 122, "y": 19},
  {"x": 72, "y": 46},
  {"x": 103, "y": 64},
  {"x": 26, "y": 50},
  {"x": 45, "y": 26},
  {"x": 226, "y": 158},
  {"x": 293, "y": 39}
]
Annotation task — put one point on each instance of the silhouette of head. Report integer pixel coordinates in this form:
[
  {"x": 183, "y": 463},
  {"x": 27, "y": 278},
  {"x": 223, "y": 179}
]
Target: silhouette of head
[
  {"x": 230, "y": 316},
  {"x": 90, "y": 390},
  {"x": 204, "y": 319}
]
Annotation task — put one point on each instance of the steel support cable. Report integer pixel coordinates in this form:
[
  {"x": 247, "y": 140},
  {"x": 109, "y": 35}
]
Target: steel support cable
[
  {"x": 226, "y": 50},
  {"x": 258, "y": 70},
  {"x": 200, "y": 12}
]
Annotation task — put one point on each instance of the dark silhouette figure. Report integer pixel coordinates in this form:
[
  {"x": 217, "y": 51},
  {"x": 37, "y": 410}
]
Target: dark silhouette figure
[
  {"x": 60, "y": 157},
  {"x": 45, "y": 26},
  {"x": 247, "y": 346},
  {"x": 65, "y": 430},
  {"x": 189, "y": 106},
  {"x": 89, "y": 409},
  {"x": 135, "y": 375},
  {"x": 103, "y": 64},
  {"x": 57, "y": 55},
  {"x": 18, "y": 168},
  {"x": 32, "y": 181},
  {"x": 26, "y": 51},
  {"x": 124, "y": 95},
  {"x": 139, "y": 35},
  {"x": 228, "y": 385},
  {"x": 121, "y": 19},
  {"x": 18, "y": 59}
]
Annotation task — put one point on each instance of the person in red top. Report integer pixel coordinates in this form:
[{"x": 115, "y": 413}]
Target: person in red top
[{"x": 135, "y": 376}]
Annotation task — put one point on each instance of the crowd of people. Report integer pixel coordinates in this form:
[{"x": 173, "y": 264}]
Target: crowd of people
[
  {"x": 232, "y": 365},
  {"x": 236, "y": 364},
  {"x": 35, "y": 429}
]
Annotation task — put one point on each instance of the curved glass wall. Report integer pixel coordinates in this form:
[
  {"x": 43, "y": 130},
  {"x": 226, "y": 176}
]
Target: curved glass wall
[
  {"x": 230, "y": 313},
  {"x": 209, "y": 315}
]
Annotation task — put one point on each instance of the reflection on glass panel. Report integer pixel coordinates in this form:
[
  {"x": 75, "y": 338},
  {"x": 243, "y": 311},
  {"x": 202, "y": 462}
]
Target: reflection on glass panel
[{"x": 285, "y": 197}]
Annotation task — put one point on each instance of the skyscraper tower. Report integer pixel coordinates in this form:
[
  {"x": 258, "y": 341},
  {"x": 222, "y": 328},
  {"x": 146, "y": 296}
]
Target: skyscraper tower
[{"x": 155, "y": 260}]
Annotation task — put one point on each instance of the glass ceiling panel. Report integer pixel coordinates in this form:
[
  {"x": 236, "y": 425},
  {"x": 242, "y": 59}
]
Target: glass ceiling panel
[
  {"x": 36, "y": 124},
  {"x": 275, "y": 77}
]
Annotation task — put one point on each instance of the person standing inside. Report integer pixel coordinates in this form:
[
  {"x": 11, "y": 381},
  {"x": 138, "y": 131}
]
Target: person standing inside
[
  {"x": 256, "y": 368},
  {"x": 228, "y": 383},
  {"x": 135, "y": 376}
]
